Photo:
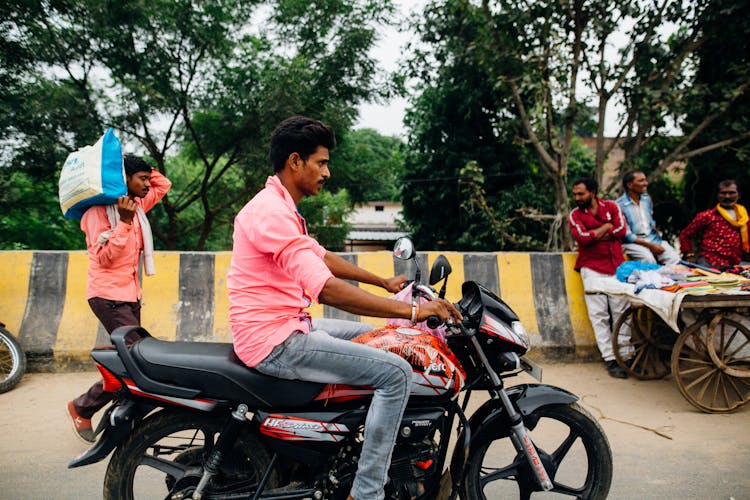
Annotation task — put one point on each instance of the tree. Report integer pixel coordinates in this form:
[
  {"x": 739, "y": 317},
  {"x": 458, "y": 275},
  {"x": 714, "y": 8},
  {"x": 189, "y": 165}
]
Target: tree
[
  {"x": 195, "y": 87},
  {"x": 541, "y": 55},
  {"x": 723, "y": 60},
  {"x": 469, "y": 183},
  {"x": 368, "y": 165},
  {"x": 325, "y": 216}
]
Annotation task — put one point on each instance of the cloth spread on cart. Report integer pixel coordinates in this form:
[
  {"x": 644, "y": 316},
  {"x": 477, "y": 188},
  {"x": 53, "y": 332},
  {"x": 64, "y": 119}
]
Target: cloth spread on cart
[{"x": 665, "y": 304}]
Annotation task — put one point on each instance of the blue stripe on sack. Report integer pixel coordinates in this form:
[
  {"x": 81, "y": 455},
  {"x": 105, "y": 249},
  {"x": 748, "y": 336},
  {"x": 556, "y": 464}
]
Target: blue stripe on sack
[
  {"x": 195, "y": 319},
  {"x": 44, "y": 306},
  {"x": 550, "y": 298},
  {"x": 332, "y": 312},
  {"x": 482, "y": 268},
  {"x": 112, "y": 177}
]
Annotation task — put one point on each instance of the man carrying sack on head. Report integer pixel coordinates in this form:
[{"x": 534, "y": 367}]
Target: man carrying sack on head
[
  {"x": 117, "y": 236},
  {"x": 722, "y": 232}
]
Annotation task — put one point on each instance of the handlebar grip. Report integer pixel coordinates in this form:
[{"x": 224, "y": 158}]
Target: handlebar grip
[{"x": 433, "y": 322}]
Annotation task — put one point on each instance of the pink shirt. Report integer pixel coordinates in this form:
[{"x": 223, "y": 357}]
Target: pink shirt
[
  {"x": 276, "y": 270},
  {"x": 113, "y": 267}
]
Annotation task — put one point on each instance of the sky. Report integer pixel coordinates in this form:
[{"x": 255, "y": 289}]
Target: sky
[{"x": 388, "y": 118}]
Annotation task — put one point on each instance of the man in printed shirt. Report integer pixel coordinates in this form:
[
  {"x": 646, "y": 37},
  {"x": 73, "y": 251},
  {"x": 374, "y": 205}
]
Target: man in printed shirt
[
  {"x": 597, "y": 226},
  {"x": 642, "y": 241},
  {"x": 113, "y": 289},
  {"x": 277, "y": 269},
  {"x": 722, "y": 231}
]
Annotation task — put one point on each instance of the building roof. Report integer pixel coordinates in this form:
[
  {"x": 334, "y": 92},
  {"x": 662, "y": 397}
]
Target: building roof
[{"x": 375, "y": 235}]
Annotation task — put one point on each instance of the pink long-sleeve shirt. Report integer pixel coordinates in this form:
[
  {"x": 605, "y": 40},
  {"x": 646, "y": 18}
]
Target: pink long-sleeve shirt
[
  {"x": 113, "y": 267},
  {"x": 275, "y": 273}
]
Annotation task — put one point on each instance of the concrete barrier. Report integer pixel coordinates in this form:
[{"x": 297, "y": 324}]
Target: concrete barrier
[{"x": 42, "y": 299}]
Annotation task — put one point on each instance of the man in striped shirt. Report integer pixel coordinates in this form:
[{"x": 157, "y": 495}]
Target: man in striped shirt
[{"x": 642, "y": 241}]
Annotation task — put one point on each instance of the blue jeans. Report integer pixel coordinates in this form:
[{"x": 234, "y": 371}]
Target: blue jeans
[{"x": 326, "y": 355}]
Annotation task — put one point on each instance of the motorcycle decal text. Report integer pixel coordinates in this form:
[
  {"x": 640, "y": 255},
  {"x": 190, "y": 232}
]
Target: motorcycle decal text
[
  {"x": 536, "y": 462},
  {"x": 299, "y": 429}
]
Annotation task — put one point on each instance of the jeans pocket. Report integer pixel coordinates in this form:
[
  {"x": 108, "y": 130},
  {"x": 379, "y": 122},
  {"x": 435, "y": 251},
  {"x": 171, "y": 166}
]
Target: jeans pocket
[{"x": 273, "y": 364}]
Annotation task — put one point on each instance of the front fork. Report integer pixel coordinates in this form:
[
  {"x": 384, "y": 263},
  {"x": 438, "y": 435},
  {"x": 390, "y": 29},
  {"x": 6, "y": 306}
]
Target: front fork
[
  {"x": 523, "y": 443},
  {"x": 519, "y": 434}
]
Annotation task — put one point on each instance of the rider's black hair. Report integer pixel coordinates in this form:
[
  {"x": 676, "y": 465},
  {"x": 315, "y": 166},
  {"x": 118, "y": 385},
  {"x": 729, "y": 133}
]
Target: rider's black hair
[{"x": 301, "y": 135}]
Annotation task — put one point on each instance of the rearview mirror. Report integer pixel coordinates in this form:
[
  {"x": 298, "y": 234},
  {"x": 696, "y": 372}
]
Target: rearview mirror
[
  {"x": 403, "y": 249},
  {"x": 441, "y": 268}
]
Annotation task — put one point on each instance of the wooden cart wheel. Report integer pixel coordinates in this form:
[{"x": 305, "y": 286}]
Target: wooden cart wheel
[
  {"x": 650, "y": 343},
  {"x": 711, "y": 364}
]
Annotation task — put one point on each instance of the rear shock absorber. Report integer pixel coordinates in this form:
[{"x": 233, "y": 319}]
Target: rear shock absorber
[{"x": 225, "y": 442}]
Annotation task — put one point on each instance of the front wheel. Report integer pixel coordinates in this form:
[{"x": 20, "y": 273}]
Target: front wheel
[
  {"x": 571, "y": 445},
  {"x": 12, "y": 361},
  {"x": 164, "y": 459}
]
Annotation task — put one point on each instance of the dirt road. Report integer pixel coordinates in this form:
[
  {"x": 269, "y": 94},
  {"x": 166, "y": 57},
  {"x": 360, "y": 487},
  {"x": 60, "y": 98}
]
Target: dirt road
[{"x": 663, "y": 448}]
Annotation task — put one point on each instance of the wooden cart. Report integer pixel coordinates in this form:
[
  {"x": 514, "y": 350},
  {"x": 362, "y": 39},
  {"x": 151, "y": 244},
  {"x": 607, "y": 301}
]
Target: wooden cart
[{"x": 709, "y": 357}]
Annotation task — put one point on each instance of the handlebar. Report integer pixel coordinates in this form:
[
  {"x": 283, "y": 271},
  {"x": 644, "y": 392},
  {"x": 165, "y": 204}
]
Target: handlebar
[{"x": 433, "y": 322}]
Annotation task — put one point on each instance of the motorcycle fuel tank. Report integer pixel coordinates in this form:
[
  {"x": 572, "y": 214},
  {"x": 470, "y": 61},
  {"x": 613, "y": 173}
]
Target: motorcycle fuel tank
[{"x": 435, "y": 369}]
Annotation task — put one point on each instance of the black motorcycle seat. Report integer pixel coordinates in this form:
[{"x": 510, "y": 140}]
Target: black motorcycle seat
[{"x": 215, "y": 370}]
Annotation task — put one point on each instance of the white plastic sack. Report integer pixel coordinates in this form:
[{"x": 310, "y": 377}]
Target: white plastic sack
[
  {"x": 405, "y": 295},
  {"x": 93, "y": 175}
]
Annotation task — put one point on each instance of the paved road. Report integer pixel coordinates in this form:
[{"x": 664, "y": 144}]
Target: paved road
[{"x": 707, "y": 457}]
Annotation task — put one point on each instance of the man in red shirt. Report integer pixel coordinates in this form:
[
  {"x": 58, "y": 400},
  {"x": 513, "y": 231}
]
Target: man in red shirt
[
  {"x": 116, "y": 238},
  {"x": 598, "y": 226},
  {"x": 275, "y": 273},
  {"x": 722, "y": 231}
]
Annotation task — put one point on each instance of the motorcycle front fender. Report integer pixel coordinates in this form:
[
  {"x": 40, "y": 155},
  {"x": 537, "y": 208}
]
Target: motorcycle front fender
[
  {"x": 526, "y": 398},
  {"x": 491, "y": 419},
  {"x": 119, "y": 422}
]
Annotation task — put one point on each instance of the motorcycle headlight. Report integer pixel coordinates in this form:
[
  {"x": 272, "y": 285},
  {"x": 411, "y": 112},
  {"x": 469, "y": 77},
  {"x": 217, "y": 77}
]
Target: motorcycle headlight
[{"x": 520, "y": 332}]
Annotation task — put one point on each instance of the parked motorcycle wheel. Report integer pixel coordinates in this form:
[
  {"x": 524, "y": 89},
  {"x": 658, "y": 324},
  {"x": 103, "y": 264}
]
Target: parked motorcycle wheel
[
  {"x": 12, "y": 361},
  {"x": 572, "y": 446},
  {"x": 164, "y": 457}
]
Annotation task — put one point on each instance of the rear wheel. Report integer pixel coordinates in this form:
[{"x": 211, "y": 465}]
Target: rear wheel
[
  {"x": 12, "y": 361},
  {"x": 571, "y": 445},
  {"x": 164, "y": 458}
]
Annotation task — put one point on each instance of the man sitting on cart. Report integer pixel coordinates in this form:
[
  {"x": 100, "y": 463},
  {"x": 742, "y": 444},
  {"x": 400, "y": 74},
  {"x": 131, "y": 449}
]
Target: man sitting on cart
[{"x": 721, "y": 232}]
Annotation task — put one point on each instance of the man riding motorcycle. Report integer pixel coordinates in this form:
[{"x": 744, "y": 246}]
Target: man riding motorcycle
[{"x": 277, "y": 269}]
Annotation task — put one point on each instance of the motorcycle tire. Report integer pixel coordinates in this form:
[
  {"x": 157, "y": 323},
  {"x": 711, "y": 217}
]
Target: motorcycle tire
[
  {"x": 146, "y": 464},
  {"x": 12, "y": 361},
  {"x": 573, "y": 449}
]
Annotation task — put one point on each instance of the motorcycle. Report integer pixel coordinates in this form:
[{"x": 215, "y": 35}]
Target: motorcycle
[
  {"x": 12, "y": 360},
  {"x": 191, "y": 421}
]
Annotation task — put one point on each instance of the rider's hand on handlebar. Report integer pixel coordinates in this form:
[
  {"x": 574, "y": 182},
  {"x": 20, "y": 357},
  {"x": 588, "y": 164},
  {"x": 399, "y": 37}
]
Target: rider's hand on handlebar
[
  {"x": 395, "y": 284},
  {"x": 440, "y": 308}
]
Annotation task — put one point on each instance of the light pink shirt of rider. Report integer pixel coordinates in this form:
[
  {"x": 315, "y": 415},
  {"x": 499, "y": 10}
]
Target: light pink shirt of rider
[{"x": 275, "y": 273}]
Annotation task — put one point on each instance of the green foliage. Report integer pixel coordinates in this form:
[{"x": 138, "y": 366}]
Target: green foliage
[
  {"x": 368, "y": 165},
  {"x": 724, "y": 59},
  {"x": 32, "y": 218},
  {"x": 195, "y": 87},
  {"x": 540, "y": 73},
  {"x": 460, "y": 116},
  {"x": 325, "y": 215}
]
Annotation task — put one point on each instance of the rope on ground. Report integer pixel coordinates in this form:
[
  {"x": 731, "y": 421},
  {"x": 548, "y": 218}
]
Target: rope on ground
[{"x": 602, "y": 416}]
